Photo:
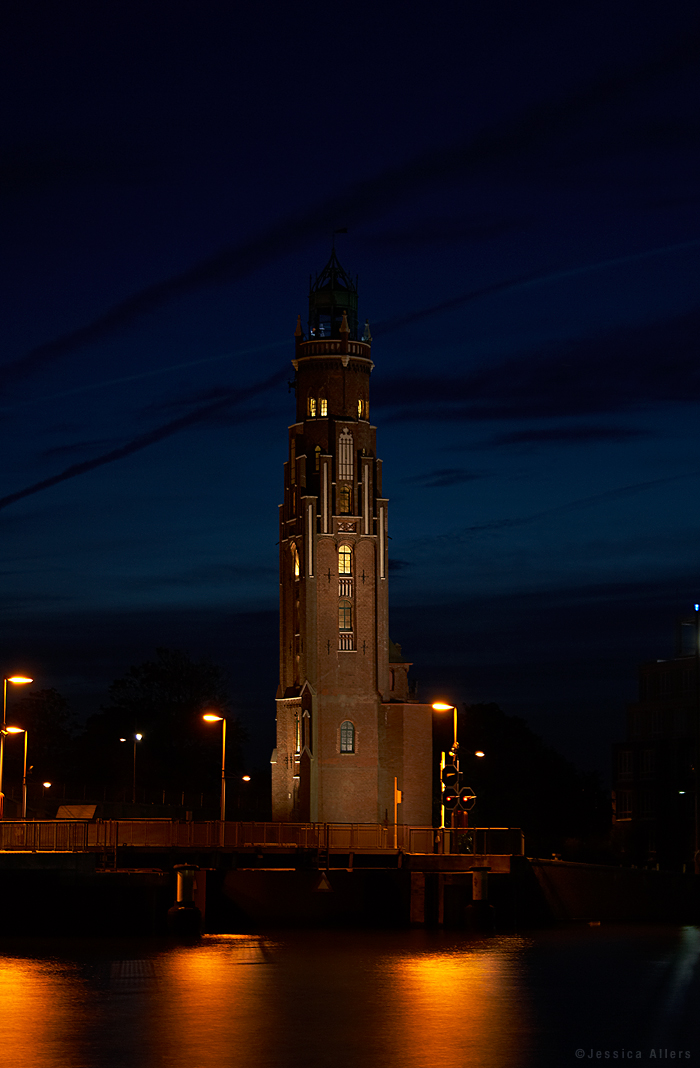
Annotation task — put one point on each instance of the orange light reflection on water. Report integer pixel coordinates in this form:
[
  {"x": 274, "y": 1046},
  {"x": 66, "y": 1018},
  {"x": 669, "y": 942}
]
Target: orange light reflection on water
[
  {"x": 460, "y": 1007},
  {"x": 38, "y": 1021}
]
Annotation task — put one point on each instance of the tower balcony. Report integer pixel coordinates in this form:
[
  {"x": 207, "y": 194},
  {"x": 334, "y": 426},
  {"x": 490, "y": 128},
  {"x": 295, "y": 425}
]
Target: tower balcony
[
  {"x": 345, "y": 587},
  {"x": 346, "y": 642},
  {"x": 332, "y": 347}
]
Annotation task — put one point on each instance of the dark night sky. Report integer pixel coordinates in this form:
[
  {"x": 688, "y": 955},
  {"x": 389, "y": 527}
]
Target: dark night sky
[{"x": 520, "y": 184}]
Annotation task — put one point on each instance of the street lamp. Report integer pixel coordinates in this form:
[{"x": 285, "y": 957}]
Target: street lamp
[
  {"x": 442, "y": 706},
  {"x": 211, "y": 717},
  {"x": 136, "y": 738},
  {"x": 21, "y": 730},
  {"x": 16, "y": 680}
]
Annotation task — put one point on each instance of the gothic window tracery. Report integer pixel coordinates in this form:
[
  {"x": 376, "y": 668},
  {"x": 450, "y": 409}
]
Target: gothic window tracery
[
  {"x": 344, "y": 500},
  {"x": 323, "y": 407},
  {"x": 345, "y": 458},
  {"x": 312, "y": 407}
]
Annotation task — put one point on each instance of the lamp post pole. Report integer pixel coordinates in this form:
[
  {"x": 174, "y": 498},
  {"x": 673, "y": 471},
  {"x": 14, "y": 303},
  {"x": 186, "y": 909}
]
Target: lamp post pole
[
  {"x": 212, "y": 717},
  {"x": 16, "y": 680},
  {"x": 442, "y": 706},
  {"x": 24, "y": 778},
  {"x": 696, "y": 761}
]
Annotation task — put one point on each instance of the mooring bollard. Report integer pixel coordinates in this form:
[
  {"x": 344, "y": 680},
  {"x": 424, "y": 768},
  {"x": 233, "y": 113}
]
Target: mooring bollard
[{"x": 184, "y": 918}]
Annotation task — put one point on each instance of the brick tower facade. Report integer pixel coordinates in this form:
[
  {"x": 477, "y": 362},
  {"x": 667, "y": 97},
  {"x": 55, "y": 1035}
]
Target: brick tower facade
[{"x": 346, "y": 725}]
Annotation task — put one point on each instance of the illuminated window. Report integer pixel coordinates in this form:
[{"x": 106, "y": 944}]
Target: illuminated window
[
  {"x": 295, "y": 560},
  {"x": 344, "y": 615},
  {"x": 317, "y": 454},
  {"x": 312, "y": 407},
  {"x": 344, "y": 560},
  {"x": 323, "y": 403},
  {"x": 360, "y": 409},
  {"x": 345, "y": 463},
  {"x": 347, "y": 737},
  {"x": 344, "y": 500}
]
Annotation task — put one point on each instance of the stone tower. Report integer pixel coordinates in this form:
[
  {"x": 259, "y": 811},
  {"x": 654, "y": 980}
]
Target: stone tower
[{"x": 346, "y": 726}]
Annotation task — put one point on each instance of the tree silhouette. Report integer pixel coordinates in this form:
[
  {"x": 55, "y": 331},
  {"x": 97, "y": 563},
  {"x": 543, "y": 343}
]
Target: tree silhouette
[{"x": 163, "y": 699}]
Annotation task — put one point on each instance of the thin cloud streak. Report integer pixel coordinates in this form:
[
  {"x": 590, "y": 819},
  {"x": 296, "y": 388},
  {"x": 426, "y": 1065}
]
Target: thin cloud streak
[
  {"x": 143, "y": 374},
  {"x": 503, "y": 143},
  {"x": 166, "y": 430},
  {"x": 523, "y": 281},
  {"x": 563, "y": 509}
]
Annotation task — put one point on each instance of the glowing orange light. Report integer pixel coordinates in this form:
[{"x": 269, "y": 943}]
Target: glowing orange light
[
  {"x": 15, "y": 730},
  {"x": 210, "y": 717},
  {"x": 246, "y": 778},
  {"x": 46, "y": 784},
  {"x": 479, "y": 753},
  {"x": 19, "y": 680},
  {"x": 440, "y": 706}
]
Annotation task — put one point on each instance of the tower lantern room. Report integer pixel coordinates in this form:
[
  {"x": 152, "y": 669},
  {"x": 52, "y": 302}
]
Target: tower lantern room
[{"x": 330, "y": 295}]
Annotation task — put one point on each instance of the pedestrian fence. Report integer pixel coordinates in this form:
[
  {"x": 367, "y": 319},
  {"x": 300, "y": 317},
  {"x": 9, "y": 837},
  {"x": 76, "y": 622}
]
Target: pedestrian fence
[{"x": 83, "y": 835}]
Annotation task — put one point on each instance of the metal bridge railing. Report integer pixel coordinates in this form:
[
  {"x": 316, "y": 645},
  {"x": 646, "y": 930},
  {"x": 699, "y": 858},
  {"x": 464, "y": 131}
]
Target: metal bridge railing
[{"x": 82, "y": 835}]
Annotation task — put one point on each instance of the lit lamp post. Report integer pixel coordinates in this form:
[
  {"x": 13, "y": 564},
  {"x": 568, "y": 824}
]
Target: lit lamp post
[
  {"x": 137, "y": 738},
  {"x": 21, "y": 730},
  {"x": 211, "y": 717},
  {"x": 16, "y": 680},
  {"x": 441, "y": 706}
]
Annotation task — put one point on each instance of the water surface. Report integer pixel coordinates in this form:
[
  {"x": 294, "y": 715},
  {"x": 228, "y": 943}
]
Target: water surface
[{"x": 377, "y": 998}]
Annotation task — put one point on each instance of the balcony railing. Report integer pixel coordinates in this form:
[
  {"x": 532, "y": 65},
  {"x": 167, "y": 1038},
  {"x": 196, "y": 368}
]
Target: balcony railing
[
  {"x": 346, "y": 642},
  {"x": 345, "y": 587}
]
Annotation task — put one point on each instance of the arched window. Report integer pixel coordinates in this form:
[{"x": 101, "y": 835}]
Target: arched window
[
  {"x": 347, "y": 737},
  {"x": 345, "y": 463},
  {"x": 360, "y": 409},
  {"x": 317, "y": 454},
  {"x": 312, "y": 407},
  {"x": 344, "y": 500},
  {"x": 323, "y": 406},
  {"x": 295, "y": 560},
  {"x": 344, "y": 560},
  {"x": 344, "y": 615}
]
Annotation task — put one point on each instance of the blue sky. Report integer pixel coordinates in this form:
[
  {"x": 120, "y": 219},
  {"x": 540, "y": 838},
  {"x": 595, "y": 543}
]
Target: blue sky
[{"x": 520, "y": 187}]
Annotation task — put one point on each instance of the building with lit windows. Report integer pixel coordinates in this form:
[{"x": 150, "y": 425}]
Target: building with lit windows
[
  {"x": 654, "y": 777},
  {"x": 348, "y": 728}
]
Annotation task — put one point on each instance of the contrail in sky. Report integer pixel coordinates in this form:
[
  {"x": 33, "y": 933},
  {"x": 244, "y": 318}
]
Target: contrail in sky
[
  {"x": 150, "y": 438},
  {"x": 523, "y": 281},
  {"x": 562, "y": 509},
  {"x": 384, "y": 326},
  {"x": 507, "y": 141},
  {"x": 143, "y": 374}
]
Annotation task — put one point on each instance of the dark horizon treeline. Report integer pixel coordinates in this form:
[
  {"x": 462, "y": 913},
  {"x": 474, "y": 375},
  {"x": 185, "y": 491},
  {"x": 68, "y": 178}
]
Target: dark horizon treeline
[{"x": 163, "y": 699}]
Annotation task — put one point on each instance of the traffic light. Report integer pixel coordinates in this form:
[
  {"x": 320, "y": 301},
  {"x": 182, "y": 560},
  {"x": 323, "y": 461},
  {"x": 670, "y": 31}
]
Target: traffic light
[
  {"x": 467, "y": 798},
  {"x": 449, "y": 777},
  {"x": 450, "y": 799}
]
